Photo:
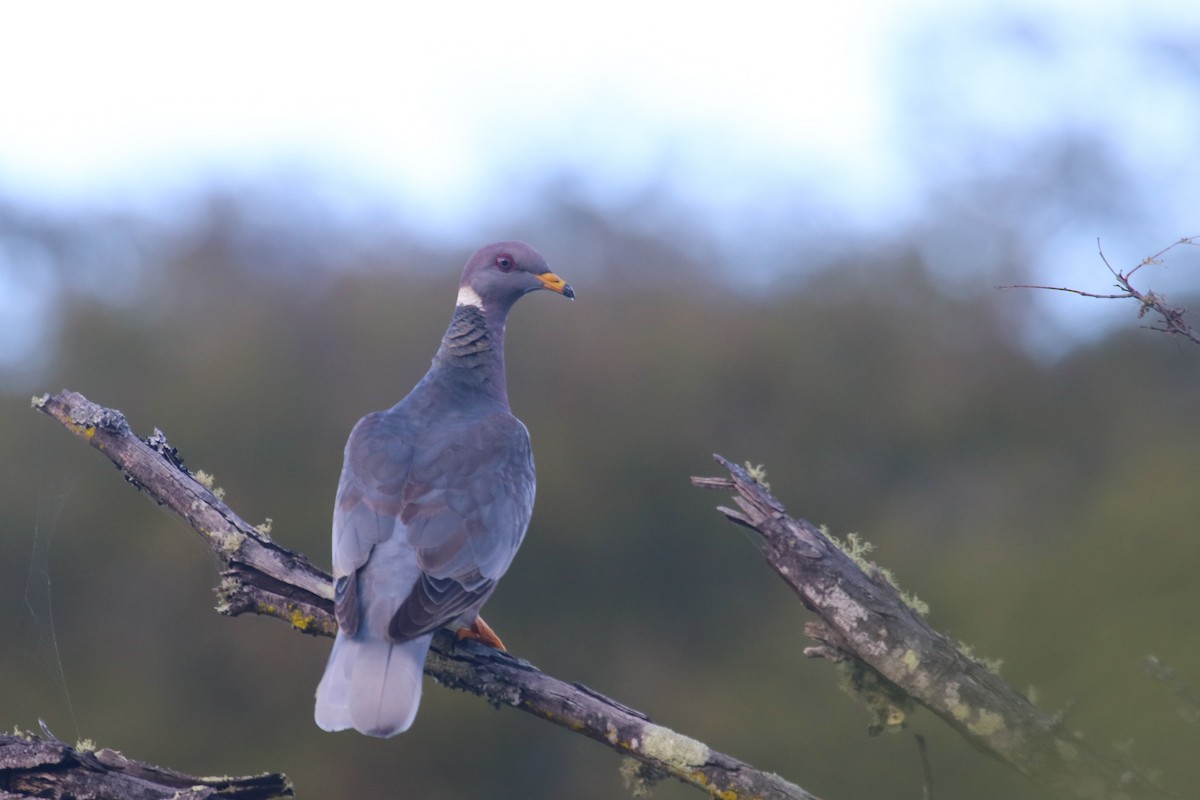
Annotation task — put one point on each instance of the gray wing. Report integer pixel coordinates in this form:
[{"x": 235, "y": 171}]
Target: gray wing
[{"x": 444, "y": 508}]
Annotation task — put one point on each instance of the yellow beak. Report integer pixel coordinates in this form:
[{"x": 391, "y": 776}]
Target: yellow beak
[{"x": 556, "y": 284}]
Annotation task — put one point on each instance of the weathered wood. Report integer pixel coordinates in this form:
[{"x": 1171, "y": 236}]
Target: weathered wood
[
  {"x": 261, "y": 577},
  {"x": 43, "y": 767},
  {"x": 864, "y": 619}
]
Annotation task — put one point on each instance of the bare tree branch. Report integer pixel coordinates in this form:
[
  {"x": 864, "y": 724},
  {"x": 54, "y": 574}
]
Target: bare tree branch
[
  {"x": 32, "y": 766},
  {"x": 1173, "y": 318},
  {"x": 264, "y": 578},
  {"x": 864, "y": 620}
]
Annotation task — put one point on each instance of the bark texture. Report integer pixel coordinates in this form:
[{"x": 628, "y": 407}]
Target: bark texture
[{"x": 898, "y": 658}]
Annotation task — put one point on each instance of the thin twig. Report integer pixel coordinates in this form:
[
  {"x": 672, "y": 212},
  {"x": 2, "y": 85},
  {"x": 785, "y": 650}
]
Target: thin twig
[
  {"x": 1173, "y": 317},
  {"x": 1080, "y": 292},
  {"x": 926, "y": 768}
]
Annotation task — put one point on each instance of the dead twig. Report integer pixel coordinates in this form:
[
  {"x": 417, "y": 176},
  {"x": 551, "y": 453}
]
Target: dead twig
[{"x": 1173, "y": 318}]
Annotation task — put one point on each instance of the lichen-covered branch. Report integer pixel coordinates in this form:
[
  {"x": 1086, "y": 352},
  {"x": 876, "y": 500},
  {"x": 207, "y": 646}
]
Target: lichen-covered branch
[
  {"x": 43, "y": 767},
  {"x": 260, "y": 577},
  {"x": 864, "y": 620}
]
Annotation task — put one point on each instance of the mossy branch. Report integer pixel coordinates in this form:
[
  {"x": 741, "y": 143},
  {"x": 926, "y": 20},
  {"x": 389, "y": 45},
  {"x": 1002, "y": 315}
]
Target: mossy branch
[
  {"x": 895, "y": 658},
  {"x": 261, "y": 577}
]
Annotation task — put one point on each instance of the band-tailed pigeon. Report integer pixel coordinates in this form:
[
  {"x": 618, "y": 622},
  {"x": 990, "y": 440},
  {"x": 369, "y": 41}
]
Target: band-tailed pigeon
[{"x": 434, "y": 499}]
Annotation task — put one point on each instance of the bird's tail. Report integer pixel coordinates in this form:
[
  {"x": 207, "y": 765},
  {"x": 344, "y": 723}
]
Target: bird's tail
[{"x": 371, "y": 685}]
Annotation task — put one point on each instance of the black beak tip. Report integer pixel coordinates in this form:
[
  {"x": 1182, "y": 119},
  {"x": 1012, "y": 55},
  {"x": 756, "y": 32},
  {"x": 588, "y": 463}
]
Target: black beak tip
[{"x": 568, "y": 292}]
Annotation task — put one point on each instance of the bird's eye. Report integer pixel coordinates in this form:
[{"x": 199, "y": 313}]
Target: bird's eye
[{"x": 504, "y": 262}]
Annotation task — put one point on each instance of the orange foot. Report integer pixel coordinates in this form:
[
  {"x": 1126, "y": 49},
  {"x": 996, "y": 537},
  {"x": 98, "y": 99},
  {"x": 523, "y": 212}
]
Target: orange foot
[{"x": 480, "y": 631}]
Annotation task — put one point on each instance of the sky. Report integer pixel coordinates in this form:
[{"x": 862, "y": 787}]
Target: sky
[
  {"x": 442, "y": 108},
  {"x": 126, "y": 96},
  {"x": 435, "y": 103}
]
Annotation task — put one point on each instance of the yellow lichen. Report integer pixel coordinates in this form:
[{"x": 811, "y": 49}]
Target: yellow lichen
[
  {"x": 979, "y": 721},
  {"x": 911, "y": 660},
  {"x": 887, "y": 704},
  {"x": 300, "y": 621},
  {"x": 700, "y": 779}
]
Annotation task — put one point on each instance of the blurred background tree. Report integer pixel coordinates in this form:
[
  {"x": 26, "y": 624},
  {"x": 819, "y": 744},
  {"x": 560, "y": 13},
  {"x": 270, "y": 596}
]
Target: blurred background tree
[{"x": 1025, "y": 463}]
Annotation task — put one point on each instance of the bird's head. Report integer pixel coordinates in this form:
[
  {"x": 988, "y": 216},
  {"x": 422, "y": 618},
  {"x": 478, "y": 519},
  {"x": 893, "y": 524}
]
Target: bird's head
[{"x": 497, "y": 275}]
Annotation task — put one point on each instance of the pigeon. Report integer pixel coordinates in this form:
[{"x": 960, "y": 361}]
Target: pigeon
[{"x": 433, "y": 502}]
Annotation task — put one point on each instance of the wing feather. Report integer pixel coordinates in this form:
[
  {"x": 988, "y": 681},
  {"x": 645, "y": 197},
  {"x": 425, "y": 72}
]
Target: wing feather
[{"x": 446, "y": 506}]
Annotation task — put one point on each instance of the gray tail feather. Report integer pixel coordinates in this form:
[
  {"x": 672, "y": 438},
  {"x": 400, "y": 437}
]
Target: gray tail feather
[{"x": 371, "y": 685}]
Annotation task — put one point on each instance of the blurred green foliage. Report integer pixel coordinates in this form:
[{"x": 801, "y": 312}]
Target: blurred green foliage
[{"x": 1045, "y": 509}]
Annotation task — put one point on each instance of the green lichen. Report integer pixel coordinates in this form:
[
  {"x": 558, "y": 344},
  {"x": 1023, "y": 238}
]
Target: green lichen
[
  {"x": 915, "y": 603},
  {"x": 854, "y": 546},
  {"x": 677, "y": 751},
  {"x": 227, "y": 543},
  {"x": 992, "y": 665},
  {"x": 857, "y": 548},
  {"x": 227, "y": 589},
  {"x": 759, "y": 474},
  {"x": 206, "y": 480}
]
